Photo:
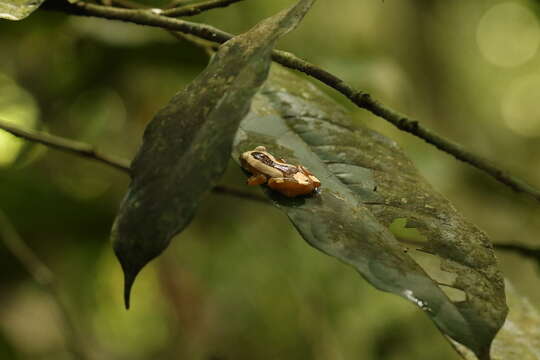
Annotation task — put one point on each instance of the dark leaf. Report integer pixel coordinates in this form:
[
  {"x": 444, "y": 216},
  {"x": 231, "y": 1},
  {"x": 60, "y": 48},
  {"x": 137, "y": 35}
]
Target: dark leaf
[
  {"x": 18, "y": 9},
  {"x": 376, "y": 213},
  {"x": 187, "y": 145}
]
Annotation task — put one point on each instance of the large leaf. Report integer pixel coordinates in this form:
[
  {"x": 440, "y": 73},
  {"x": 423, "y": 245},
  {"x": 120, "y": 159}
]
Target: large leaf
[
  {"x": 376, "y": 213},
  {"x": 519, "y": 338},
  {"x": 18, "y": 9},
  {"x": 187, "y": 145}
]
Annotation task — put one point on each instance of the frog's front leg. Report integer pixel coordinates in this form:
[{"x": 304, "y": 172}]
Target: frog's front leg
[{"x": 258, "y": 179}]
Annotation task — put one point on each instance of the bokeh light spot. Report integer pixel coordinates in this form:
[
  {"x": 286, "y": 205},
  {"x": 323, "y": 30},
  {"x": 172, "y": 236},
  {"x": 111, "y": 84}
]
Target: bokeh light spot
[
  {"x": 520, "y": 107},
  {"x": 508, "y": 34}
]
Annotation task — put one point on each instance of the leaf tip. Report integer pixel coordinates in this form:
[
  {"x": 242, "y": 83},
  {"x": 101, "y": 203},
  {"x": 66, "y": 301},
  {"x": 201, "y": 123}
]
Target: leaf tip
[
  {"x": 129, "y": 279},
  {"x": 131, "y": 266},
  {"x": 130, "y": 270}
]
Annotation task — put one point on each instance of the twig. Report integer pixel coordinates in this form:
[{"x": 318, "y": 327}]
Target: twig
[
  {"x": 44, "y": 277},
  {"x": 361, "y": 99},
  {"x": 88, "y": 151},
  {"x": 523, "y": 250},
  {"x": 239, "y": 193},
  {"x": 413, "y": 127},
  {"x": 178, "y": 3},
  {"x": 208, "y": 47},
  {"x": 128, "y": 4},
  {"x": 190, "y": 10},
  {"x": 148, "y": 17},
  {"x": 66, "y": 145}
]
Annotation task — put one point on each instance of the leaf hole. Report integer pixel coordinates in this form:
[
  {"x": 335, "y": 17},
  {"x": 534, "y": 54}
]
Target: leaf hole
[
  {"x": 408, "y": 235},
  {"x": 431, "y": 264}
]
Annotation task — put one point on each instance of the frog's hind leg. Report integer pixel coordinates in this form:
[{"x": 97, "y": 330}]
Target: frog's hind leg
[
  {"x": 258, "y": 179},
  {"x": 309, "y": 174},
  {"x": 289, "y": 187}
]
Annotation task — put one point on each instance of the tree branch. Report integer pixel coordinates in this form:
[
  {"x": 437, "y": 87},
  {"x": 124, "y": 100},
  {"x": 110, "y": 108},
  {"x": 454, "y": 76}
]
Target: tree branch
[
  {"x": 148, "y": 17},
  {"x": 45, "y": 278},
  {"x": 66, "y": 145},
  {"x": 88, "y": 151},
  {"x": 190, "y": 10},
  {"x": 225, "y": 190},
  {"x": 361, "y": 99},
  {"x": 128, "y": 4},
  {"x": 208, "y": 47},
  {"x": 523, "y": 250}
]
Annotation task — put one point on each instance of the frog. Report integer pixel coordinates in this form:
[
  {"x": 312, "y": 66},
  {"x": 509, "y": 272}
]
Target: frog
[{"x": 287, "y": 179}]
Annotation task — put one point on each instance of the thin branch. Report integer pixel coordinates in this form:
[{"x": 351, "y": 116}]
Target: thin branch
[
  {"x": 239, "y": 193},
  {"x": 523, "y": 250},
  {"x": 190, "y": 10},
  {"x": 128, "y": 4},
  {"x": 88, "y": 151},
  {"x": 148, "y": 17},
  {"x": 459, "y": 152},
  {"x": 208, "y": 47},
  {"x": 177, "y": 3},
  {"x": 361, "y": 99},
  {"x": 66, "y": 145},
  {"x": 45, "y": 278}
]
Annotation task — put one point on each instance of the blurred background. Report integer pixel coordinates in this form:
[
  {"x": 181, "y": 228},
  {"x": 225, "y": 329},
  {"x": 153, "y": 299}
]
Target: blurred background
[{"x": 239, "y": 283}]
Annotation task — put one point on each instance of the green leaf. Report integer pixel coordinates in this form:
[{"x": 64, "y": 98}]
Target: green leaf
[
  {"x": 187, "y": 145},
  {"x": 519, "y": 338},
  {"x": 18, "y": 9},
  {"x": 376, "y": 213}
]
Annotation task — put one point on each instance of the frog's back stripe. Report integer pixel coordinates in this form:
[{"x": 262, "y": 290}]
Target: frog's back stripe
[
  {"x": 265, "y": 159},
  {"x": 284, "y": 168}
]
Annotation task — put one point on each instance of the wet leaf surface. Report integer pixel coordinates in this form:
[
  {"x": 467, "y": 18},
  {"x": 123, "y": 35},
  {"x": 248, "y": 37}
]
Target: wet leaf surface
[
  {"x": 187, "y": 145},
  {"x": 18, "y": 9},
  {"x": 376, "y": 213}
]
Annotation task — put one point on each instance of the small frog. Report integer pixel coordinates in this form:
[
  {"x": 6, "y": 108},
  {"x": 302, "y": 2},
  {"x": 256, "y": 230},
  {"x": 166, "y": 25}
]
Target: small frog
[{"x": 289, "y": 180}]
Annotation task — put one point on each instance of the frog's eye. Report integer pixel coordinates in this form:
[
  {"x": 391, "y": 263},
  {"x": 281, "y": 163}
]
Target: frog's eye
[{"x": 260, "y": 148}]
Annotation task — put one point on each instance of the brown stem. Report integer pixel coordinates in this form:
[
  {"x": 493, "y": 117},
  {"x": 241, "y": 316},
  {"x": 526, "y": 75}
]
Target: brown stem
[
  {"x": 523, "y": 250},
  {"x": 88, "y": 151},
  {"x": 66, "y": 145},
  {"x": 190, "y": 10}
]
